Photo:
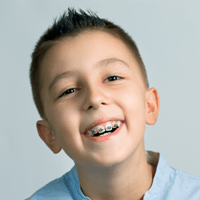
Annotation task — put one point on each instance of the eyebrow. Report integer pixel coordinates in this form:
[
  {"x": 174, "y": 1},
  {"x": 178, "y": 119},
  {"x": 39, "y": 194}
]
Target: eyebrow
[{"x": 102, "y": 63}]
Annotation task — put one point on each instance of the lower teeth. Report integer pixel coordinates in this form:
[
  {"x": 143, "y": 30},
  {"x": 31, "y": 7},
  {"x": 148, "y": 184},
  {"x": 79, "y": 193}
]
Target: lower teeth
[{"x": 105, "y": 134}]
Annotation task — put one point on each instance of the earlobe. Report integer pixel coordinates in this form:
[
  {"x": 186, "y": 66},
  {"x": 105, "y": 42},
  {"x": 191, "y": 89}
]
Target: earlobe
[
  {"x": 47, "y": 136},
  {"x": 153, "y": 106}
]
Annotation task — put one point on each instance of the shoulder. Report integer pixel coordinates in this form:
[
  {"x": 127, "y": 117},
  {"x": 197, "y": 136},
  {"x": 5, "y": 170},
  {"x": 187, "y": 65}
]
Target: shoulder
[
  {"x": 56, "y": 188},
  {"x": 64, "y": 188},
  {"x": 170, "y": 183},
  {"x": 186, "y": 180},
  {"x": 60, "y": 188},
  {"x": 182, "y": 185}
]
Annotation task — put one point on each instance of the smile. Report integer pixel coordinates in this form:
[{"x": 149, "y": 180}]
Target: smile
[
  {"x": 106, "y": 135},
  {"x": 104, "y": 129}
]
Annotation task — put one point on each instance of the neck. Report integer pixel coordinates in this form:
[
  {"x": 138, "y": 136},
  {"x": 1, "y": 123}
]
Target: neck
[{"x": 128, "y": 180}]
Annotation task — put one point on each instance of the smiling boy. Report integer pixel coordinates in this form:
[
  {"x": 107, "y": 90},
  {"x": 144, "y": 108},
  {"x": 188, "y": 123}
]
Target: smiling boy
[{"x": 91, "y": 89}]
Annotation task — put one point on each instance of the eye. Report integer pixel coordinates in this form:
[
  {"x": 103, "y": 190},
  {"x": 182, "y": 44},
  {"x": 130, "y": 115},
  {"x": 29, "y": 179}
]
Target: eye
[
  {"x": 69, "y": 91},
  {"x": 114, "y": 78}
]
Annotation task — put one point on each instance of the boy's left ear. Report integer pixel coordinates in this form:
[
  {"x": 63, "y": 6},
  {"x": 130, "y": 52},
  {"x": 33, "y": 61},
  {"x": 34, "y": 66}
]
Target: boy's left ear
[
  {"x": 153, "y": 106},
  {"x": 47, "y": 136}
]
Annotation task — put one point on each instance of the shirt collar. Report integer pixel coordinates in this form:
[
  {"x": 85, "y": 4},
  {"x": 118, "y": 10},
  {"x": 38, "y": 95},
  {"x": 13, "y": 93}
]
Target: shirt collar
[
  {"x": 162, "y": 174},
  {"x": 161, "y": 178}
]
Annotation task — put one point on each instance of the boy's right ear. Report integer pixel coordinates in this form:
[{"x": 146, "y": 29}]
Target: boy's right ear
[{"x": 47, "y": 136}]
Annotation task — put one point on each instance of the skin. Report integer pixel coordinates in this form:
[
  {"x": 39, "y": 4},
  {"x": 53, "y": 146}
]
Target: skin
[{"x": 117, "y": 168}]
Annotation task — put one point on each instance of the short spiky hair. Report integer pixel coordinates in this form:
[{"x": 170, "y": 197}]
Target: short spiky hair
[{"x": 69, "y": 26}]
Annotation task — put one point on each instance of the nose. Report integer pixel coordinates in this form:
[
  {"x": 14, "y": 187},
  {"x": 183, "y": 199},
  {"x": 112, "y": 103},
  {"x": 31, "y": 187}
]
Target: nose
[{"x": 95, "y": 96}]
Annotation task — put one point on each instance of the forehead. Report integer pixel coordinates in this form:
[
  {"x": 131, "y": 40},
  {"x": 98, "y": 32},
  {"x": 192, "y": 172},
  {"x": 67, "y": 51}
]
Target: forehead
[{"x": 82, "y": 52}]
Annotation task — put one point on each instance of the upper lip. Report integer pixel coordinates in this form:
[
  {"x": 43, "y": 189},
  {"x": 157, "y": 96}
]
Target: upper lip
[{"x": 100, "y": 121}]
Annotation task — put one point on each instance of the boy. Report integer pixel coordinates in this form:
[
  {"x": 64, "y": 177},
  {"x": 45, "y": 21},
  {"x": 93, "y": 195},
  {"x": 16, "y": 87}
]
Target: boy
[{"x": 91, "y": 89}]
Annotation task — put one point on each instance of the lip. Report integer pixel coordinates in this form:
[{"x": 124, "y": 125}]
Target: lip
[
  {"x": 101, "y": 121},
  {"x": 104, "y": 138}
]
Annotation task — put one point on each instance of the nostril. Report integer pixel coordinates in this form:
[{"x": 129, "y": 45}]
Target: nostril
[{"x": 91, "y": 106}]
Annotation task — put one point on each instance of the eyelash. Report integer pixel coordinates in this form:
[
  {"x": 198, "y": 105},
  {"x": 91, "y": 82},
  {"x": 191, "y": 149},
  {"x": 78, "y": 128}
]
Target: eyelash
[{"x": 66, "y": 92}]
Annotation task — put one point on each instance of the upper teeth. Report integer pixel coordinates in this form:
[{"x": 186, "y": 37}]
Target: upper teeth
[{"x": 108, "y": 126}]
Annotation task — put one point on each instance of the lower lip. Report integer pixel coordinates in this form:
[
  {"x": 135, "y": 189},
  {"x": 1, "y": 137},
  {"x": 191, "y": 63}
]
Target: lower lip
[{"x": 104, "y": 138}]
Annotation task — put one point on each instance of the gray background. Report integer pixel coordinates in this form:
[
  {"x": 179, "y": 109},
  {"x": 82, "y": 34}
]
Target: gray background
[{"x": 167, "y": 34}]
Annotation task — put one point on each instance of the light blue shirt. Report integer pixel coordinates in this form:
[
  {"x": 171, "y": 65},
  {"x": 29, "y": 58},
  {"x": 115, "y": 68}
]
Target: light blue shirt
[{"x": 168, "y": 184}]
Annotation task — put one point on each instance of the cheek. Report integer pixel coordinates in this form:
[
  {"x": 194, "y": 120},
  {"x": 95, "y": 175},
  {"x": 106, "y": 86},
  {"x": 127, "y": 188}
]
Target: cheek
[
  {"x": 66, "y": 129},
  {"x": 64, "y": 120},
  {"x": 132, "y": 99},
  {"x": 133, "y": 106}
]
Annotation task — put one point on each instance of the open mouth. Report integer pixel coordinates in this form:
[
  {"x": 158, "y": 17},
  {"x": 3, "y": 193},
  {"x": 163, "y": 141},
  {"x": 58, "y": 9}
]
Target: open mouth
[
  {"x": 105, "y": 133},
  {"x": 103, "y": 129}
]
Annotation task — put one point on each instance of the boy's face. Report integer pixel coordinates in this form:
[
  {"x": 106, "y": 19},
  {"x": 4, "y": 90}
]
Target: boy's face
[{"x": 91, "y": 58}]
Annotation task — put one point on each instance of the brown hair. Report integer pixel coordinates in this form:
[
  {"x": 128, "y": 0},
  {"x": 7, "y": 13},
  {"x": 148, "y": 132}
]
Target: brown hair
[{"x": 68, "y": 26}]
